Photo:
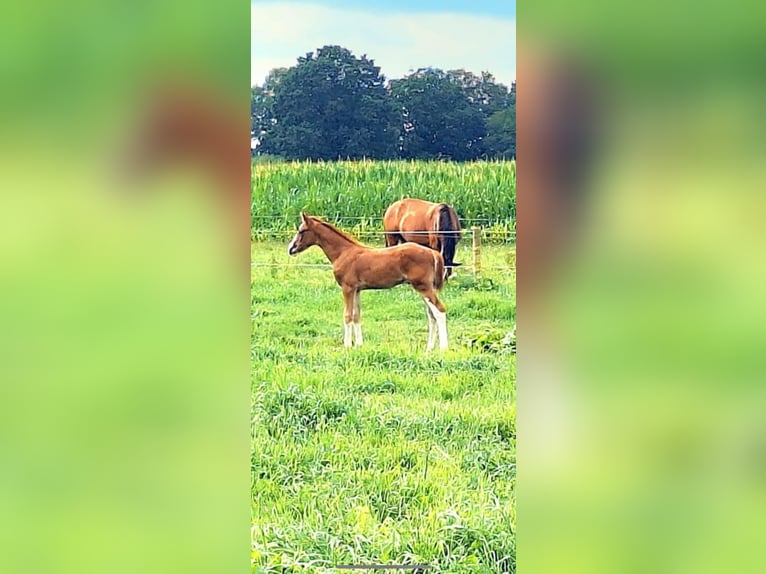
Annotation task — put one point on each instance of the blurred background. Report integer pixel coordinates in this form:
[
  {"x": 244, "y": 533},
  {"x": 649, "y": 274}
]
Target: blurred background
[
  {"x": 641, "y": 398},
  {"x": 124, "y": 364},
  {"x": 124, "y": 413}
]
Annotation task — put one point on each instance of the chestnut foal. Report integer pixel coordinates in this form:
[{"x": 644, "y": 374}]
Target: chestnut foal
[{"x": 357, "y": 267}]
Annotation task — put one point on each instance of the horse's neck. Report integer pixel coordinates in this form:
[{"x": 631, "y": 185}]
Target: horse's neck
[{"x": 333, "y": 243}]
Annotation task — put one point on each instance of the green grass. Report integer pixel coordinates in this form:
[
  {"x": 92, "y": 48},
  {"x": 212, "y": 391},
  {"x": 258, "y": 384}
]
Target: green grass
[
  {"x": 355, "y": 194},
  {"x": 381, "y": 454}
]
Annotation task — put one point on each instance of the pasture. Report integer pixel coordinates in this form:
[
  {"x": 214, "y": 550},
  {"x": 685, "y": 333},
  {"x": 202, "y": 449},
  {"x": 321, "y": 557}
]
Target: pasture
[{"x": 381, "y": 454}]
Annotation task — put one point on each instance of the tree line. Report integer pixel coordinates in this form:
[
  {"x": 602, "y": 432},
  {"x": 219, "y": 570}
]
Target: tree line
[{"x": 333, "y": 105}]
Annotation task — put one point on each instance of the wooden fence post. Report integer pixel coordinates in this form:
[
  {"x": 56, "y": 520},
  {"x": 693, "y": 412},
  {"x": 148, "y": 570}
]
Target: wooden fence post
[{"x": 476, "y": 249}]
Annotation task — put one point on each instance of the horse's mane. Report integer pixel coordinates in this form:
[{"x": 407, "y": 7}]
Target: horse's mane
[{"x": 343, "y": 234}]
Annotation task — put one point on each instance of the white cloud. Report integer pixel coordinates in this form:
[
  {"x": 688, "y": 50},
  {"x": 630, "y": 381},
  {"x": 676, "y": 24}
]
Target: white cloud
[{"x": 398, "y": 42}]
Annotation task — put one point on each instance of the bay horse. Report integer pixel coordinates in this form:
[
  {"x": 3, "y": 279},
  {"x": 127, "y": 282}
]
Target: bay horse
[
  {"x": 435, "y": 225},
  {"x": 358, "y": 267}
]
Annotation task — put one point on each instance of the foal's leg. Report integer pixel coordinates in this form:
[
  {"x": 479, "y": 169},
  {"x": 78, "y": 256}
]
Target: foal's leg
[
  {"x": 438, "y": 311},
  {"x": 348, "y": 315},
  {"x": 431, "y": 328},
  {"x": 440, "y": 315},
  {"x": 357, "y": 320}
]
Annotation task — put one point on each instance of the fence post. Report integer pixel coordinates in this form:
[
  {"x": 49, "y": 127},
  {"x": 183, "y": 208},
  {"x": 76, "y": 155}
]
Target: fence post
[{"x": 476, "y": 249}]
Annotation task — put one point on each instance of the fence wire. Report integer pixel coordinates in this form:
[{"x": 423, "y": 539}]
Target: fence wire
[
  {"x": 253, "y": 264},
  {"x": 489, "y": 234},
  {"x": 463, "y": 220},
  {"x": 475, "y": 234},
  {"x": 464, "y": 232}
]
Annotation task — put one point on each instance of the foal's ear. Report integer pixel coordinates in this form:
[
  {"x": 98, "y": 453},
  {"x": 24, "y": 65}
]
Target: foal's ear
[{"x": 304, "y": 219}]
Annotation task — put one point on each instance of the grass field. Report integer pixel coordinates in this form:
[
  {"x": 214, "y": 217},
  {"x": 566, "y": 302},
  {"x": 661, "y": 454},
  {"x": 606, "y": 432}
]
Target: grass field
[{"x": 381, "y": 454}]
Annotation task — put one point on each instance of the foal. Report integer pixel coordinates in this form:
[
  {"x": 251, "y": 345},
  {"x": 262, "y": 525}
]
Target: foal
[{"x": 357, "y": 267}]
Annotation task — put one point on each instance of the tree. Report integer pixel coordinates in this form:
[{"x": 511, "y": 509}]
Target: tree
[
  {"x": 262, "y": 118},
  {"x": 482, "y": 91},
  {"x": 501, "y": 130},
  {"x": 437, "y": 119},
  {"x": 332, "y": 105}
]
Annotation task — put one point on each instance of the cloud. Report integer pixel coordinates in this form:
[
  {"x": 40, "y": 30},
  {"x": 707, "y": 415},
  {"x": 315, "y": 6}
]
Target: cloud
[{"x": 398, "y": 42}]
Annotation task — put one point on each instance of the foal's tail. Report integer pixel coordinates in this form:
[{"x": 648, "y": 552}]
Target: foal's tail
[
  {"x": 448, "y": 221},
  {"x": 440, "y": 272}
]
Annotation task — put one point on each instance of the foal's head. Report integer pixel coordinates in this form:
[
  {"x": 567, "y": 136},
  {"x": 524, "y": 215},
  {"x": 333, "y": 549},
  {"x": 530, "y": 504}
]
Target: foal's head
[{"x": 305, "y": 237}]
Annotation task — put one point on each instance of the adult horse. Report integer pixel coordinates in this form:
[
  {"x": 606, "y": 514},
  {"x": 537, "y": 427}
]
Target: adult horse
[
  {"x": 435, "y": 225},
  {"x": 357, "y": 267}
]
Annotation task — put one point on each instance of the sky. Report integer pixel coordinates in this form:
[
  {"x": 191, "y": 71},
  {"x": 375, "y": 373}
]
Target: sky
[{"x": 400, "y": 35}]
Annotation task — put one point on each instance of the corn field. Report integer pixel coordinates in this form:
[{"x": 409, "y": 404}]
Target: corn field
[{"x": 354, "y": 194}]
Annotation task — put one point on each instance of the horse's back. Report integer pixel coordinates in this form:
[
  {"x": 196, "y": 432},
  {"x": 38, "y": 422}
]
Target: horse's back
[
  {"x": 409, "y": 248},
  {"x": 407, "y": 206},
  {"x": 416, "y": 253},
  {"x": 382, "y": 268},
  {"x": 422, "y": 264},
  {"x": 419, "y": 206}
]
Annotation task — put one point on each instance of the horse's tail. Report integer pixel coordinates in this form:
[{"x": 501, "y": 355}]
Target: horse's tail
[{"x": 448, "y": 222}]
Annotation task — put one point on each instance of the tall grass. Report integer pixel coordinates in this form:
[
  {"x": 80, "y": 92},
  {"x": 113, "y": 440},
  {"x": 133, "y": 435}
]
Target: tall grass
[{"x": 354, "y": 194}]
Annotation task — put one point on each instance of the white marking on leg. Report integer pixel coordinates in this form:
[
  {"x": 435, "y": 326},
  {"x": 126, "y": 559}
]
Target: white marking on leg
[
  {"x": 358, "y": 334},
  {"x": 347, "y": 327},
  {"x": 441, "y": 320},
  {"x": 431, "y": 328},
  {"x": 441, "y": 323}
]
